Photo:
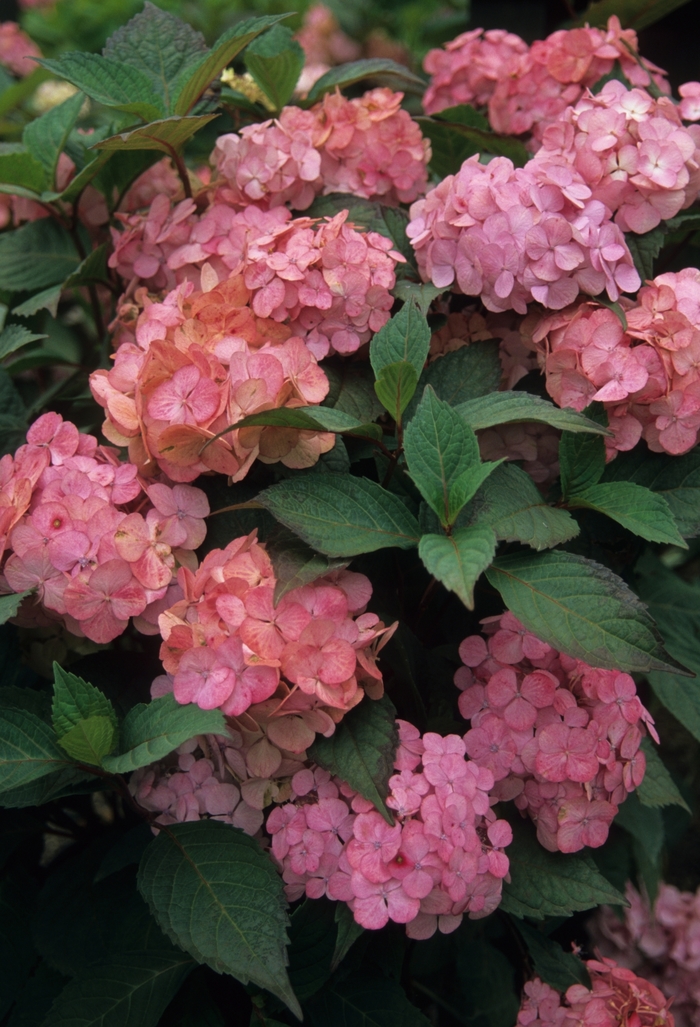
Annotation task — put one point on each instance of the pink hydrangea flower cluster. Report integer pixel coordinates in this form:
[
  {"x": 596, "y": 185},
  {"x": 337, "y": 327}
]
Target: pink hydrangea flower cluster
[
  {"x": 648, "y": 377},
  {"x": 17, "y": 49},
  {"x": 200, "y": 362},
  {"x": 322, "y": 39},
  {"x": 513, "y": 235},
  {"x": 443, "y": 856},
  {"x": 662, "y": 944},
  {"x": 535, "y": 445},
  {"x": 94, "y": 544},
  {"x": 226, "y": 644},
  {"x": 561, "y": 738},
  {"x": 632, "y": 151},
  {"x": 617, "y": 997},
  {"x": 368, "y": 146},
  {"x": 527, "y": 88}
]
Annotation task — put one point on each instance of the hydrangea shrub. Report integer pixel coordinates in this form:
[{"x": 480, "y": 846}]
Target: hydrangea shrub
[{"x": 349, "y": 506}]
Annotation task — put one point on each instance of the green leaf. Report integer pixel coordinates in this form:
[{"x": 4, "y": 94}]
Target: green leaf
[
  {"x": 362, "y": 750},
  {"x": 507, "y": 407},
  {"x": 159, "y": 45},
  {"x": 14, "y": 337},
  {"x": 167, "y": 135},
  {"x": 395, "y": 387},
  {"x": 28, "y": 749},
  {"x": 34, "y": 1002},
  {"x": 422, "y": 293},
  {"x": 452, "y": 139},
  {"x": 215, "y": 893},
  {"x": 92, "y": 269},
  {"x": 275, "y": 60},
  {"x": 79, "y": 181},
  {"x": 341, "y": 515},
  {"x": 364, "y": 1001},
  {"x": 132, "y": 989},
  {"x": 348, "y": 932},
  {"x": 677, "y": 480},
  {"x": 552, "y": 964},
  {"x": 581, "y": 609},
  {"x": 384, "y": 71},
  {"x": 658, "y": 787},
  {"x": 405, "y": 336},
  {"x": 75, "y": 700},
  {"x": 546, "y": 883},
  {"x": 464, "y": 374},
  {"x": 45, "y": 138},
  {"x": 9, "y": 605},
  {"x": 38, "y": 254},
  {"x": 443, "y": 457},
  {"x": 510, "y": 503},
  {"x": 296, "y": 564},
  {"x": 487, "y": 983},
  {"x": 312, "y": 938},
  {"x": 54, "y": 785},
  {"x": 195, "y": 78},
  {"x": 634, "y": 14},
  {"x": 152, "y": 730},
  {"x": 109, "y": 82},
  {"x": 646, "y": 826},
  {"x": 352, "y": 391},
  {"x": 645, "y": 249},
  {"x": 635, "y": 507},
  {"x": 310, "y": 419},
  {"x": 21, "y": 170},
  {"x": 90, "y": 740},
  {"x": 458, "y": 560},
  {"x": 17, "y": 953},
  {"x": 581, "y": 461}
]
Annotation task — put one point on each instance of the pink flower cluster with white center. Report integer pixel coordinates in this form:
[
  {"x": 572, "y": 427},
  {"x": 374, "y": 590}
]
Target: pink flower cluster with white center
[
  {"x": 527, "y": 88},
  {"x": 95, "y": 544},
  {"x": 617, "y": 996},
  {"x": 662, "y": 944},
  {"x": 513, "y": 235},
  {"x": 368, "y": 146},
  {"x": 561, "y": 738},
  {"x": 648, "y": 376},
  {"x": 443, "y": 856},
  {"x": 632, "y": 151},
  {"x": 200, "y": 780},
  {"x": 227, "y": 645},
  {"x": 17, "y": 49}
]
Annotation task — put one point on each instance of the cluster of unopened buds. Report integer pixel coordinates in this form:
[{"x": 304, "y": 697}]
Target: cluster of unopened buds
[
  {"x": 647, "y": 374},
  {"x": 616, "y": 996},
  {"x": 443, "y": 856},
  {"x": 82, "y": 532},
  {"x": 561, "y": 738},
  {"x": 526, "y": 88},
  {"x": 662, "y": 942}
]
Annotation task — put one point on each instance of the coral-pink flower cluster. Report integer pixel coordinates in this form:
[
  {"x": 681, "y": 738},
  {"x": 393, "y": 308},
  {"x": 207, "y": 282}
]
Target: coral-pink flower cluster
[
  {"x": 17, "y": 50},
  {"x": 561, "y": 738},
  {"x": 93, "y": 543},
  {"x": 368, "y": 146},
  {"x": 617, "y": 997},
  {"x": 513, "y": 235},
  {"x": 442, "y": 857}
]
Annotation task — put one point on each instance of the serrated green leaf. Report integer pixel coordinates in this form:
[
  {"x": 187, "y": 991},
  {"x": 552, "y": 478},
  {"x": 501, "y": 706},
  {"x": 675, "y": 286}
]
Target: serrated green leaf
[
  {"x": 395, "y": 387},
  {"x": 160, "y": 45},
  {"x": 275, "y": 60},
  {"x": 552, "y": 964},
  {"x": 459, "y": 560},
  {"x": 645, "y": 249},
  {"x": 296, "y": 564},
  {"x": 581, "y": 609},
  {"x": 385, "y": 71},
  {"x": 362, "y": 750},
  {"x": 28, "y": 749},
  {"x": 9, "y": 605},
  {"x": 75, "y": 700},
  {"x": 152, "y": 730},
  {"x": 92, "y": 269},
  {"x": 361, "y": 1000},
  {"x": 89, "y": 740},
  {"x": 405, "y": 337},
  {"x": 443, "y": 457},
  {"x": 54, "y": 785},
  {"x": 464, "y": 374},
  {"x": 677, "y": 480},
  {"x": 486, "y": 983},
  {"x": 38, "y": 254},
  {"x": 166, "y": 135},
  {"x": 507, "y": 407},
  {"x": 79, "y": 181},
  {"x": 546, "y": 883},
  {"x": 109, "y": 82},
  {"x": 45, "y": 138},
  {"x": 309, "y": 419},
  {"x": 341, "y": 515},
  {"x": 352, "y": 391},
  {"x": 132, "y": 989},
  {"x": 312, "y": 938},
  {"x": 581, "y": 461},
  {"x": 194, "y": 79},
  {"x": 14, "y": 337},
  {"x": 348, "y": 932},
  {"x": 636, "y": 508},
  {"x": 21, "y": 170},
  {"x": 658, "y": 787},
  {"x": 646, "y": 827},
  {"x": 422, "y": 293},
  {"x": 453, "y": 143},
  {"x": 635, "y": 14},
  {"x": 510, "y": 503},
  {"x": 216, "y": 894}
]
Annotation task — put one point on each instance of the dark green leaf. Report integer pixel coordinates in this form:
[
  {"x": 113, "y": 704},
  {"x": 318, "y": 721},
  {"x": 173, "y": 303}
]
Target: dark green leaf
[
  {"x": 14, "y": 337},
  {"x": 45, "y": 138},
  {"x": 36, "y": 998},
  {"x": 127, "y": 850},
  {"x": 507, "y": 407},
  {"x": 634, "y": 14},
  {"x": 487, "y": 982},
  {"x": 152, "y": 730},
  {"x": 362, "y": 1001},
  {"x": 28, "y": 749},
  {"x": 38, "y": 254},
  {"x": 384, "y": 71},
  {"x": 52, "y": 786},
  {"x": 395, "y": 386},
  {"x": 658, "y": 787},
  {"x": 581, "y": 461},
  {"x": 458, "y": 560},
  {"x": 348, "y": 932},
  {"x": 464, "y": 374},
  {"x": 341, "y": 515},
  {"x": 275, "y": 61},
  {"x": 21, "y": 171},
  {"x": 110, "y": 83},
  {"x": 17, "y": 955},
  {"x": 677, "y": 480},
  {"x": 406, "y": 336},
  {"x": 296, "y": 564},
  {"x": 421, "y": 293},
  {"x": 582, "y": 609},
  {"x": 552, "y": 964},
  {"x": 352, "y": 391},
  {"x": 546, "y": 883},
  {"x": 166, "y": 135},
  {"x": 646, "y": 826},
  {"x": 311, "y": 419},
  {"x": 9, "y": 605},
  {"x": 75, "y": 700},
  {"x": 635, "y": 507},
  {"x": 449, "y": 148},
  {"x": 312, "y": 938},
  {"x": 362, "y": 750},
  {"x": 92, "y": 269},
  {"x": 645, "y": 249},
  {"x": 214, "y": 892}
]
